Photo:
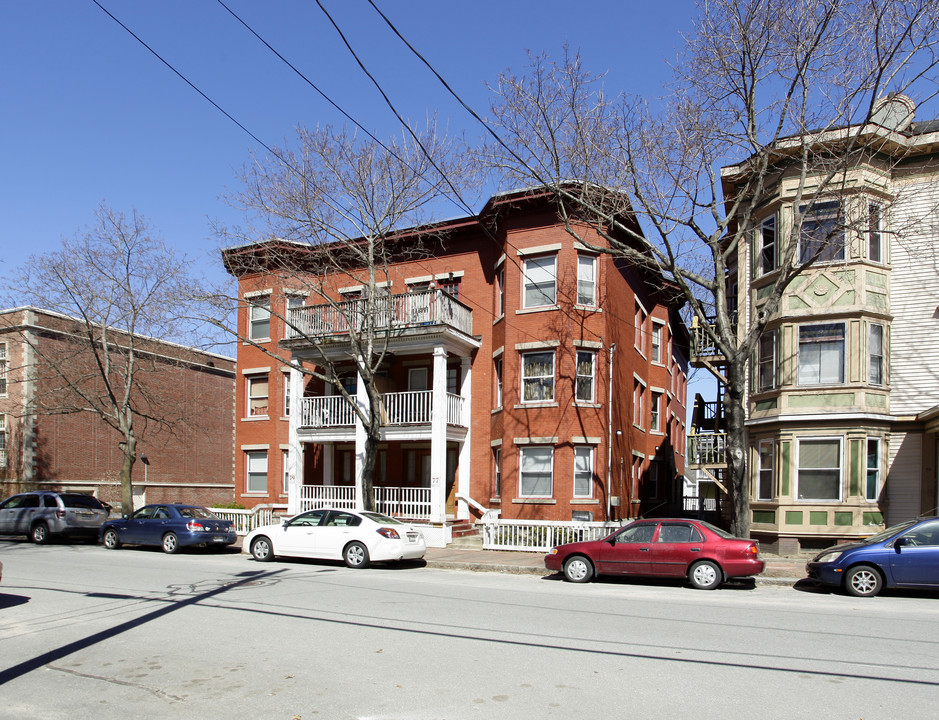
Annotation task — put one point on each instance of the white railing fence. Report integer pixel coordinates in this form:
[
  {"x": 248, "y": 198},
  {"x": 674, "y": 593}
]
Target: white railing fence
[
  {"x": 406, "y": 502},
  {"x": 541, "y": 535},
  {"x": 412, "y": 407},
  {"x": 246, "y": 520},
  {"x": 313, "y": 497}
]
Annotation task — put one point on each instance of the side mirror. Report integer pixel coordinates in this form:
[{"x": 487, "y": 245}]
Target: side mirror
[{"x": 900, "y": 542}]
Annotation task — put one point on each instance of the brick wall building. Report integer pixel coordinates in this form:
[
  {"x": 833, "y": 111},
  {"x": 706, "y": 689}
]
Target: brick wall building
[
  {"x": 47, "y": 442},
  {"x": 528, "y": 374}
]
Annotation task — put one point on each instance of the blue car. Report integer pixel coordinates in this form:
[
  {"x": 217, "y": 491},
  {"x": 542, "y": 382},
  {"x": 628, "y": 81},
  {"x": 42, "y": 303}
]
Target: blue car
[
  {"x": 903, "y": 556},
  {"x": 168, "y": 526}
]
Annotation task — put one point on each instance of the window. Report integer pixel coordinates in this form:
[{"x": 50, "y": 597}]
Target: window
[
  {"x": 821, "y": 354},
  {"x": 538, "y": 377},
  {"x": 583, "y": 472},
  {"x": 3, "y": 368},
  {"x": 764, "y": 490},
  {"x": 655, "y": 406},
  {"x": 3, "y": 440},
  {"x": 285, "y": 466},
  {"x": 258, "y": 395},
  {"x": 657, "y": 329},
  {"x": 822, "y": 233},
  {"x": 766, "y": 376},
  {"x": 673, "y": 532},
  {"x": 417, "y": 379},
  {"x": 536, "y": 472},
  {"x": 637, "y": 533},
  {"x": 764, "y": 255},
  {"x": 451, "y": 287},
  {"x": 259, "y": 311},
  {"x": 286, "y": 394},
  {"x": 640, "y": 320},
  {"x": 652, "y": 480},
  {"x": 872, "y": 486},
  {"x": 256, "y": 465},
  {"x": 584, "y": 382},
  {"x": 586, "y": 280},
  {"x": 496, "y": 490},
  {"x": 875, "y": 252},
  {"x": 875, "y": 354},
  {"x": 540, "y": 277},
  {"x": 500, "y": 293},
  {"x": 638, "y": 391},
  {"x": 819, "y": 476},
  {"x": 498, "y": 373}
]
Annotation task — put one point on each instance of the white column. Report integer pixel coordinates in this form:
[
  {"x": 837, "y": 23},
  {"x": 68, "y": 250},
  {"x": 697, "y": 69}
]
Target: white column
[
  {"x": 438, "y": 438},
  {"x": 294, "y": 446},
  {"x": 329, "y": 463},
  {"x": 463, "y": 472},
  {"x": 361, "y": 400}
]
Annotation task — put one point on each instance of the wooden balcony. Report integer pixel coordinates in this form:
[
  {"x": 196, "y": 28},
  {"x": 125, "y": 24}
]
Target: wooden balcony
[{"x": 707, "y": 450}]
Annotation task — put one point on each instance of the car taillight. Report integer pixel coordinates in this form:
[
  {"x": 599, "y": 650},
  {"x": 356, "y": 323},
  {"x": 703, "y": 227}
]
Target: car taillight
[
  {"x": 60, "y": 514},
  {"x": 753, "y": 549},
  {"x": 194, "y": 526},
  {"x": 389, "y": 533}
]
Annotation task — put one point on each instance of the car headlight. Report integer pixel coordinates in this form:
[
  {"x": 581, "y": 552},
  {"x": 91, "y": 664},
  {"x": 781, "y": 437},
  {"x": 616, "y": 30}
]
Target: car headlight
[{"x": 828, "y": 557}]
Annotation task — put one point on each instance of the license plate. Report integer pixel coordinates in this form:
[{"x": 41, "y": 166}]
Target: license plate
[
  {"x": 218, "y": 539},
  {"x": 412, "y": 537}
]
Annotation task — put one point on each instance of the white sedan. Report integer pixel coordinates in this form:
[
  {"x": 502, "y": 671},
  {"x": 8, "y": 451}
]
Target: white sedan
[{"x": 357, "y": 538}]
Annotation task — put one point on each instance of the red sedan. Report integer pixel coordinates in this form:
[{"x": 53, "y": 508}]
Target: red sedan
[{"x": 697, "y": 550}]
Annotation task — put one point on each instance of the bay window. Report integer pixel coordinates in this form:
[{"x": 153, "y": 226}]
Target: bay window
[
  {"x": 586, "y": 371},
  {"x": 819, "y": 470},
  {"x": 586, "y": 280},
  {"x": 540, "y": 278},
  {"x": 822, "y": 232},
  {"x": 538, "y": 377},
  {"x": 821, "y": 354}
]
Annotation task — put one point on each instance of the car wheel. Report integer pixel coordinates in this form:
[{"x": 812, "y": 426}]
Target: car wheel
[
  {"x": 261, "y": 549},
  {"x": 578, "y": 569},
  {"x": 111, "y": 540},
  {"x": 863, "y": 581},
  {"x": 39, "y": 533},
  {"x": 355, "y": 555},
  {"x": 705, "y": 575},
  {"x": 170, "y": 543}
]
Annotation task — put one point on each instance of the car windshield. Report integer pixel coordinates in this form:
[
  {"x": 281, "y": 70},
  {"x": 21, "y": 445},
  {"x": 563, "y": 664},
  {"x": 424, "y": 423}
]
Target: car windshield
[
  {"x": 81, "y": 501},
  {"x": 889, "y": 532},
  {"x": 195, "y": 512},
  {"x": 383, "y": 519}
]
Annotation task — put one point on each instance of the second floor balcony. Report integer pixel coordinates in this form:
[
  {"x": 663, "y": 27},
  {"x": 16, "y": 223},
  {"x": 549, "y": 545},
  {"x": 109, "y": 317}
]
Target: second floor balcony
[
  {"x": 396, "y": 409},
  {"x": 707, "y": 450},
  {"x": 395, "y": 314}
]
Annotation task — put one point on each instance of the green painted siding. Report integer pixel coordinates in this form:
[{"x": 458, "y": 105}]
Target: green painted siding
[
  {"x": 793, "y": 517},
  {"x": 844, "y": 519},
  {"x": 873, "y": 518},
  {"x": 822, "y": 400},
  {"x": 818, "y": 517},
  {"x": 765, "y": 405},
  {"x": 764, "y": 516}
]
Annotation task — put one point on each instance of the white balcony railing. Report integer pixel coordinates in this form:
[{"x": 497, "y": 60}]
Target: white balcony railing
[
  {"x": 400, "y": 408},
  {"x": 405, "y": 502},
  {"x": 390, "y": 312}
]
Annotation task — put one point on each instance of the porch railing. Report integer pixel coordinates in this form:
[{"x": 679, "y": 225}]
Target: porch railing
[
  {"x": 403, "y": 502},
  {"x": 541, "y": 535},
  {"x": 246, "y": 520},
  {"x": 399, "y": 408},
  {"x": 390, "y": 312},
  {"x": 707, "y": 449}
]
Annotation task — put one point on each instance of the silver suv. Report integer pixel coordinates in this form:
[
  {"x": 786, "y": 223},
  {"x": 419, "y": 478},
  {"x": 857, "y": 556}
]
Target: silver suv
[{"x": 41, "y": 515}]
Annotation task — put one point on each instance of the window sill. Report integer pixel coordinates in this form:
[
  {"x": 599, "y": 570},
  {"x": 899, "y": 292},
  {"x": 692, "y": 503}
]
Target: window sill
[
  {"x": 255, "y": 418},
  {"x": 584, "y": 501},
  {"x": 589, "y": 308},
  {"x": 495, "y": 501},
  {"x": 255, "y": 341},
  {"x": 544, "y": 308},
  {"x": 499, "y": 319},
  {"x": 534, "y": 501},
  {"x": 585, "y": 404},
  {"x": 495, "y": 410},
  {"x": 531, "y": 405}
]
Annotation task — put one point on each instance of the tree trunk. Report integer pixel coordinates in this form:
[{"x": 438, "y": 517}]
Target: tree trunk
[
  {"x": 129, "y": 450},
  {"x": 737, "y": 477}
]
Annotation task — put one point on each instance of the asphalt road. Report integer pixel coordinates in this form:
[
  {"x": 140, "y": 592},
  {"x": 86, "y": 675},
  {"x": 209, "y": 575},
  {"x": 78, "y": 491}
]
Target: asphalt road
[{"x": 91, "y": 633}]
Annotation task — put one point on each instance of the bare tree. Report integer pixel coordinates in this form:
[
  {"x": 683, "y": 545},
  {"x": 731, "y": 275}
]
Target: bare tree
[
  {"x": 766, "y": 91},
  {"x": 328, "y": 214},
  {"x": 117, "y": 286}
]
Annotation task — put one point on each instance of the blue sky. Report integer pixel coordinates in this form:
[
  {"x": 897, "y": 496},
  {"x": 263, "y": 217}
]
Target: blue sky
[{"x": 88, "y": 114}]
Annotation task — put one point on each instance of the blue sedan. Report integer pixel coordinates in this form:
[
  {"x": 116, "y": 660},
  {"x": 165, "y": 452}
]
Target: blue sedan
[
  {"x": 168, "y": 526},
  {"x": 903, "y": 556}
]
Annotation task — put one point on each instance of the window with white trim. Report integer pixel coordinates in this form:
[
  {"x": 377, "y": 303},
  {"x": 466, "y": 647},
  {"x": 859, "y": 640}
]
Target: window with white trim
[
  {"x": 586, "y": 373},
  {"x": 638, "y": 392},
  {"x": 764, "y": 489},
  {"x": 821, "y": 354},
  {"x": 639, "y": 326},
  {"x": 583, "y": 472},
  {"x": 766, "y": 375},
  {"x": 822, "y": 232},
  {"x": 875, "y": 354},
  {"x": 259, "y": 318},
  {"x": 819, "y": 469},
  {"x": 540, "y": 281},
  {"x": 258, "y": 395},
  {"x": 658, "y": 330},
  {"x": 285, "y": 467},
  {"x": 496, "y": 490},
  {"x": 586, "y": 280},
  {"x": 3, "y": 441},
  {"x": 538, "y": 377},
  {"x": 256, "y": 471},
  {"x": 536, "y": 472},
  {"x": 655, "y": 408},
  {"x": 500, "y": 292},
  {"x": 875, "y": 251},
  {"x": 872, "y": 484},
  {"x": 3, "y": 368},
  {"x": 498, "y": 377},
  {"x": 286, "y": 377},
  {"x": 764, "y": 252}
]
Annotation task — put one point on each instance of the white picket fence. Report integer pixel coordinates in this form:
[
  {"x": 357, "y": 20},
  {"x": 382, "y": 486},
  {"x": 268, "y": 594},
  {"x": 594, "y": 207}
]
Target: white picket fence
[
  {"x": 541, "y": 535},
  {"x": 247, "y": 520}
]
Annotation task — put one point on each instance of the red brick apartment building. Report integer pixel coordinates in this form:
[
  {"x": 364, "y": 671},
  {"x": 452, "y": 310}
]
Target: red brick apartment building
[
  {"x": 47, "y": 443},
  {"x": 532, "y": 377}
]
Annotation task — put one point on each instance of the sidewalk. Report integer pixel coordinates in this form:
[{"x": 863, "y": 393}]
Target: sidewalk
[{"x": 780, "y": 570}]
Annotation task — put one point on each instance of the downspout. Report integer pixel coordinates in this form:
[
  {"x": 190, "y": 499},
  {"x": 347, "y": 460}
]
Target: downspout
[{"x": 609, "y": 440}]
